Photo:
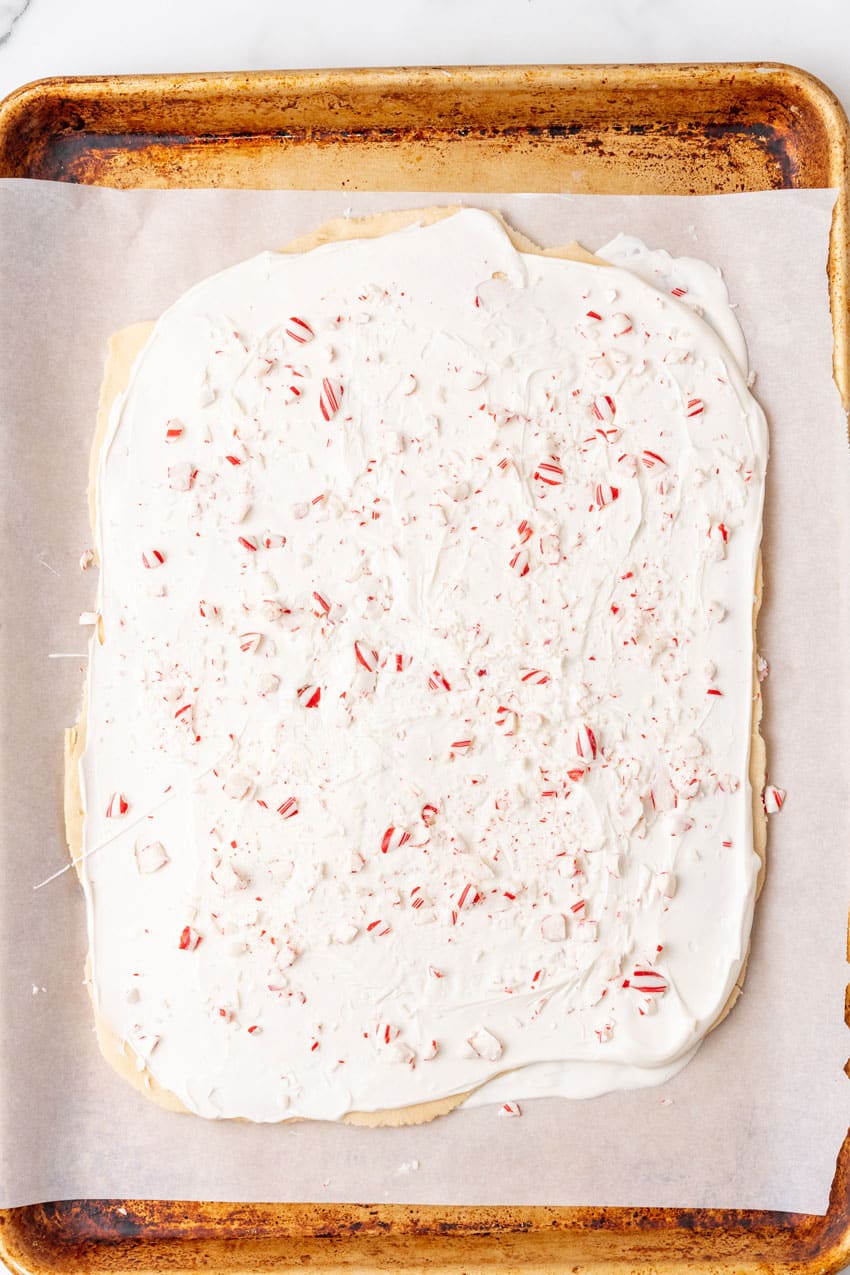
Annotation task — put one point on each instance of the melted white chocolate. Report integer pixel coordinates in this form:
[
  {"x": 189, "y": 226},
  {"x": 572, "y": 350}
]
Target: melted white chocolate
[{"x": 431, "y": 709}]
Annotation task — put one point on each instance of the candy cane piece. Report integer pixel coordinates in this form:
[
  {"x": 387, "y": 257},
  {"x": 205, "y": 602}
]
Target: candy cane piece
[
  {"x": 150, "y": 857},
  {"x": 485, "y": 1045},
  {"x": 520, "y": 563},
  {"x": 366, "y": 657},
  {"x": 534, "y": 677},
  {"x": 507, "y": 720},
  {"x": 550, "y": 472},
  {"x": 309, "y": 695},
  {"x": 553, "y": 928},
  {"x": 330, "y": 397},
  {"x": 604, "y": 408},
  {"x": 298, "y": 330},
  {"x": 774, "y": 799},
  {"x": 586, "y": 746},
  {"x": 393, "y": 839},
  {"x": 117, "y": 806},
  {"x": 603, "y": 495}
]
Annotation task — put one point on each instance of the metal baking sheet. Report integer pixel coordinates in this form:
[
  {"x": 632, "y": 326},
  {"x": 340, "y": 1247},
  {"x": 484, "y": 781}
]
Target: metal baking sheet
[{"x": 627, "y": 130}]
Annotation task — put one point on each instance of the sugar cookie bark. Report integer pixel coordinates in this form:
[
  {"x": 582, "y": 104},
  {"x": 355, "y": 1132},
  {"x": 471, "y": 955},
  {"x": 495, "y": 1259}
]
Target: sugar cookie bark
[{"x": 420, "y": 733}]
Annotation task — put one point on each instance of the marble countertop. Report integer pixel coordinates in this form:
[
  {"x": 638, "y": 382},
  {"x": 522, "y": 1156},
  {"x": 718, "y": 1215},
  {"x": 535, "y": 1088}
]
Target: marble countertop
[{"x": 67, "y": 37}]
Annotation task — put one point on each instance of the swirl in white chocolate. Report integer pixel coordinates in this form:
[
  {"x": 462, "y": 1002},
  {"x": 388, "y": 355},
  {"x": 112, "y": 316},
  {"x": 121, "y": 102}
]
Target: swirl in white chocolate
[{"x": 418, "y": 740}]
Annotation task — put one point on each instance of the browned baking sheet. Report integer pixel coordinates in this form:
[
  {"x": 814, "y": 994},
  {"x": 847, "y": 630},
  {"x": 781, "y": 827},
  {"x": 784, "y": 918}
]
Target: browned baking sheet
[{"x": 626, "y": 130}]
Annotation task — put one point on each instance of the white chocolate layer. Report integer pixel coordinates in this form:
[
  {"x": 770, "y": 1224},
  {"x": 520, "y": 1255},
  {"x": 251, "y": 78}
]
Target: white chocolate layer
[{"x": 520, "y": 546}]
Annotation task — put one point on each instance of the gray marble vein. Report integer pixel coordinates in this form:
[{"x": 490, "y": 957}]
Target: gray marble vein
[{"x": 10, "y": 12}]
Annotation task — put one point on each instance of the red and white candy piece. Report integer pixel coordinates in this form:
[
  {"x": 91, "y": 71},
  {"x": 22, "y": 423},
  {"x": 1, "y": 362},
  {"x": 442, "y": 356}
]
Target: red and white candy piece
[
  {"x": 520, "y": 562},
  {"x": 272, "y": 609},
  {"x": 647, "y": 981},
  {"x": 144, "y": 1043},
  {"x": 466, "y": 897},
  {"x": 621, "y": 325},
  {"x": 397, "y": 662},
  {"x": 550, "y": 548},
  {"x": 150, "y": 857},
  {"x": 249, "y": 643},
  {"x": 430, "y": 1051},
  {"x": 330, "y": 397},
  {"x": 507, "y": 720},
  {"x": 366, "y": 657},
  {"x": 152, "y": 558},
  {"x": 393, "y": 839},
  {"x": 604, "y": 408},
  {"x": 322, "y": 606},
  {"x": 695, "y": 407},
  {"x": 428, "y": 814},
  {"x": 651, "y": 460},
  {"x": 249, "y": 543},
  {"x": 309, "y": 695},
  {"x": 345, "y": 934},
  {"x": 460, "y": 747},
  {"x": 299, "y": 330},
  {"x": 510, "y": 1109},
  {"x": 436, "y": 682},
  {"x": 534, "y": 677},
  {"x": 718, "y": 538},
  {"x": 549, "y": 472},
  {"x": 182, "y": 477},
  {"x": 525, "y": 531},
  {"x": 189, "y": 939},
  {"x": 288, "y": 808},
  {"x": 117, "y": 806},
  {"x": 485, "y": 1045},
  {"x": 273, "y": 540},
  {"x": 774, "y": 799},
  {"x": 553, "y": 928},
  {"x": 586, "y": 746},
  {"x": 604, "y": 494},
  {"x": 173, "y": 431}
]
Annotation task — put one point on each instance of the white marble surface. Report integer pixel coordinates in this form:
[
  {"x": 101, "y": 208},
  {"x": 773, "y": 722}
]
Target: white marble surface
[{"x": 62, "y": 37}]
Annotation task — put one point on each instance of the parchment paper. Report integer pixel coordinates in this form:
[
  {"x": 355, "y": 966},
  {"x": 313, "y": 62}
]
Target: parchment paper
[{"x": 757, "y": 1120}]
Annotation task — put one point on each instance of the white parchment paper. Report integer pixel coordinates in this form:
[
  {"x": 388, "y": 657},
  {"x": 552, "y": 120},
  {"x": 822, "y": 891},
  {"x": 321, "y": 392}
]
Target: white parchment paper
[{"x": 756, "y": 1121}]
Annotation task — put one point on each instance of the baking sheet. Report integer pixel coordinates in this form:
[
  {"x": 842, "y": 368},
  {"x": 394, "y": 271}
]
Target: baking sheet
[{"x": 757, "y": 1119}]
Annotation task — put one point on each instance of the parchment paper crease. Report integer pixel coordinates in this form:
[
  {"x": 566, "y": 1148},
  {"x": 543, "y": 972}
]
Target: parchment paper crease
[{"x": 757, "y": 1120}]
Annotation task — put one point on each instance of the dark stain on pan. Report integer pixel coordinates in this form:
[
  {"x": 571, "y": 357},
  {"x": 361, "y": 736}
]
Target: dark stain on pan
[{"x": 76, "y": 154}]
